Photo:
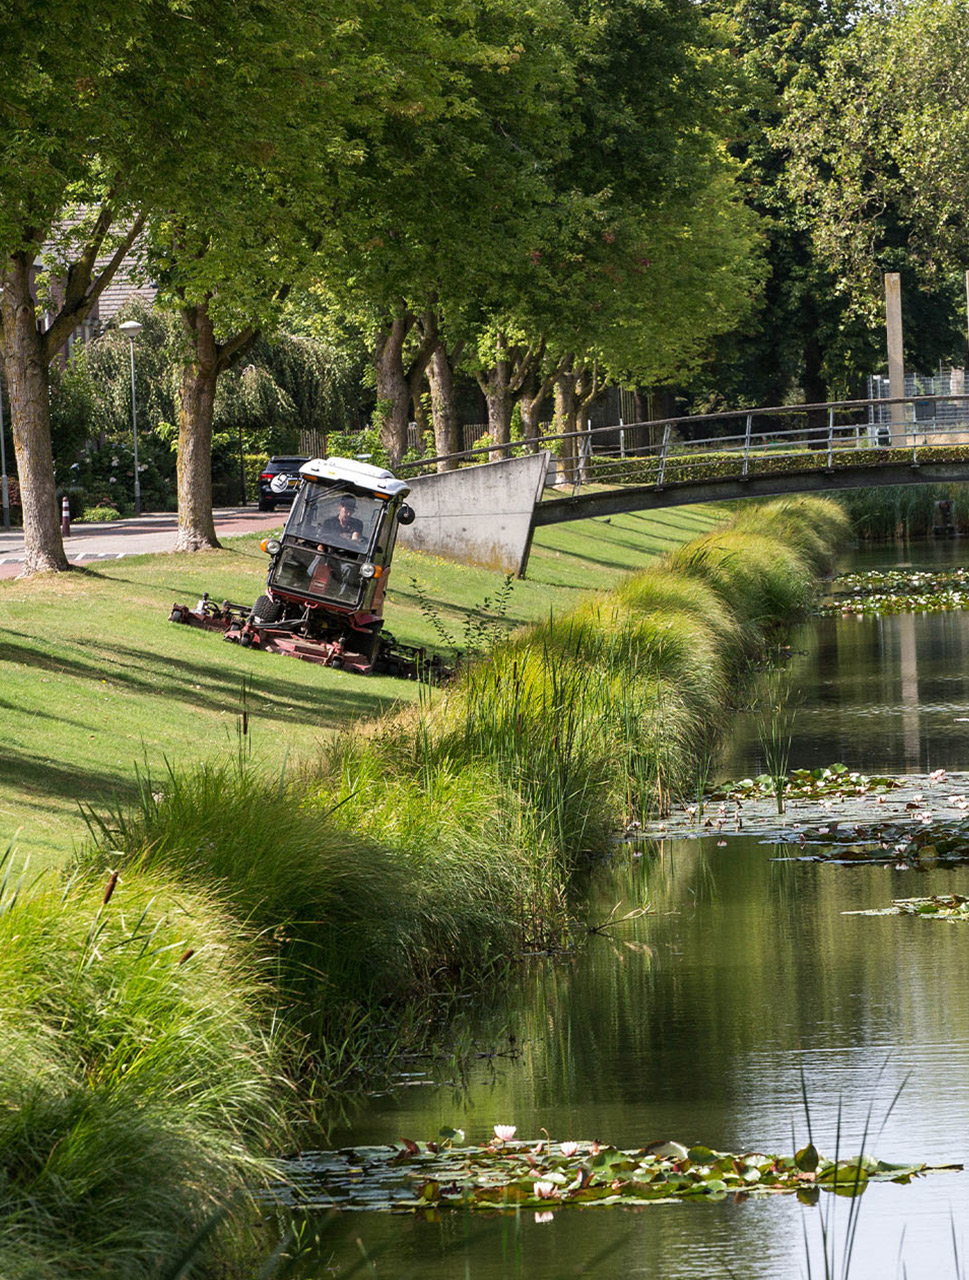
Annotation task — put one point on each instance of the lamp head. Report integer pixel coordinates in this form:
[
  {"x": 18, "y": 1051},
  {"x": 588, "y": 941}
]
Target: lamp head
[{"x": 131, "y": 328}]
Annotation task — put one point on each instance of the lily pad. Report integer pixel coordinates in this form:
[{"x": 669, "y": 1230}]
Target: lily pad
[
  {"x": 941, "y": 906},
  {"x": 878, "y": 592},
  {"x": 418, "y": 1177}
]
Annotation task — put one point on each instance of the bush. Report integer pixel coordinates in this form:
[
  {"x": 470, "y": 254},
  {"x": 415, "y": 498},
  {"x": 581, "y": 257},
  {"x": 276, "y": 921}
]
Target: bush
[{"x": 99, "y": 515}]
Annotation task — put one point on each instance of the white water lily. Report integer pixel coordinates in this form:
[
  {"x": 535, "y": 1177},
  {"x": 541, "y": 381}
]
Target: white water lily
[
  {"x": 569, "y": 1148},
  {"x": 505, "y": 1132},
  {"x": 546, "y": 1190}
]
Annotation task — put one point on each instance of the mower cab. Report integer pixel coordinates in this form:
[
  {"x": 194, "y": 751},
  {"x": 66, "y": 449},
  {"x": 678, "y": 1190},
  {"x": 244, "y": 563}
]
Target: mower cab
[{"x": 328, "y": 571}]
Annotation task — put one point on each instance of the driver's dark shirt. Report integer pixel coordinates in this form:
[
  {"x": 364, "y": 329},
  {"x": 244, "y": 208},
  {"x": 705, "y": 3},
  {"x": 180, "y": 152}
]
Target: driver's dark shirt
[{"x": 332, "y": 528}]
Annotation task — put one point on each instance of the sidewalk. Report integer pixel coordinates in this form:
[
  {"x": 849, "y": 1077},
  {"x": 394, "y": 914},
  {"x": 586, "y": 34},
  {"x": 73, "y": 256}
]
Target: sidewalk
[{"x": 153, "y": 532}]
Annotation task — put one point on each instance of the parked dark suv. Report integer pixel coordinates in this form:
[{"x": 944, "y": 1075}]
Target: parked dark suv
[{"x": 279, "y": 482}]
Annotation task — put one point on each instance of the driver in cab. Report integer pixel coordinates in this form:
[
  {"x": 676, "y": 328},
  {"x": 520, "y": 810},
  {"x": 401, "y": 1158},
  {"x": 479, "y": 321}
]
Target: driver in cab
[{"x": 344, "y": 527}]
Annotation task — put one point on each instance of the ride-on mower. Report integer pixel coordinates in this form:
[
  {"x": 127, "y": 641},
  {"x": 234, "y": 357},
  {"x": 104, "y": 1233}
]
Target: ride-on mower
[{"x": 327, "y": 576}]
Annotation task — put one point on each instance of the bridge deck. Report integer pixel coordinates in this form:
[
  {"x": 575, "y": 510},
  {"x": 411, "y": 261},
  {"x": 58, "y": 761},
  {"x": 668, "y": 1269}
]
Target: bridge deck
[{"x": 931, "y": 466}]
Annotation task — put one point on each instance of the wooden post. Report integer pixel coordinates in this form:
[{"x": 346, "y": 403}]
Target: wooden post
[{"x": 896, "y": 360}]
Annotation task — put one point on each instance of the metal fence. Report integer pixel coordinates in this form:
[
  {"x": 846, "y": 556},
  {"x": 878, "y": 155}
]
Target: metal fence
[{"x": 753, "y": 439}]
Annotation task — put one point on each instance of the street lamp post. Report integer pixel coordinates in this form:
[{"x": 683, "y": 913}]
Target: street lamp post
[
  {"x": 131, "y": 329},
  {"x": 3, "y": 463}
]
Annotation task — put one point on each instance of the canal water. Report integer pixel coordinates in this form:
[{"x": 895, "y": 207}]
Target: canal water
[{"x": 700, "y": 1020}]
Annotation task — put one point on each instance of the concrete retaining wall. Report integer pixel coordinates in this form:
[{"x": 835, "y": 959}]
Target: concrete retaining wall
[{"x": 480, "y": 515}]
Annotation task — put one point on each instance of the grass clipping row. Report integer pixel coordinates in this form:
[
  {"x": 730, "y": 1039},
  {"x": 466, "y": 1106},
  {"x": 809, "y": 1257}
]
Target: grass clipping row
[{"x": 218, "y": 939}]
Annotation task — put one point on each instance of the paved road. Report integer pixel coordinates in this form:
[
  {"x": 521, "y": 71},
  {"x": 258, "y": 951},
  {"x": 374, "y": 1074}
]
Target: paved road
[{"x": 147, "y": 533}]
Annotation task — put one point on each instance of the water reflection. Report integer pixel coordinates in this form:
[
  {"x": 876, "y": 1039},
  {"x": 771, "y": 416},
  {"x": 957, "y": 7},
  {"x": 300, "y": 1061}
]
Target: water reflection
[
  {"x": 697, "y": 1021},
  {"x": 882, "y": 695}
]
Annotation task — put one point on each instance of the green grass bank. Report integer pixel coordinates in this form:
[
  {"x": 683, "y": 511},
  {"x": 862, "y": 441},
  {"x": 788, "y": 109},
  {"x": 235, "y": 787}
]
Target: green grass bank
[
  {"x": 412, "y": 853},
  {"x": 94, "y": 681}
]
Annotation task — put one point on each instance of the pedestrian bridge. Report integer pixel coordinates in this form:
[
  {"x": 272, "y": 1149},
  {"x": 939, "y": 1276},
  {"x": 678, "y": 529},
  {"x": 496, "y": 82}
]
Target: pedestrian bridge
[{"x": 759, "y": 453}]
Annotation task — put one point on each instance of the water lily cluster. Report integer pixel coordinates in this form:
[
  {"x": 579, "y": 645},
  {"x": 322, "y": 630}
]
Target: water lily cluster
[
  {"x": 544, "y": 1175},
  {"x": 887, "y": 591}
]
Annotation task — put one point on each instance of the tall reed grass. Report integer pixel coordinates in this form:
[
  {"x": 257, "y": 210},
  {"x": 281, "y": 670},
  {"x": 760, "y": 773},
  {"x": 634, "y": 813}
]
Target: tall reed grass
[
  {"x": 904, "y": 511},
  {"x": 137, "y": 1075},
  {"x": 417, "y": 853}
]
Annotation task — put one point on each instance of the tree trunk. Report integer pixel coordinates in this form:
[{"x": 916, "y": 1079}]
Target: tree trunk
[
  {"x": 641, "y": 435},
  {"x": 421, "y": 407},
  {"x": 495, "y": 384},
  {"x": 196, "y": 410},
  {"x": 393, "y": 393},
  {"x": 535, "y": 391},
  {"x": 587, "y": 388},
  {"x": 196, "y": 527},
  {"x": 447, "y": 438},
  {"x": 531, "y": 403},
  {"x": 566, "y": 410},
  {"x": 28, "y": 383},
  {"x": 815, "y": 387}
]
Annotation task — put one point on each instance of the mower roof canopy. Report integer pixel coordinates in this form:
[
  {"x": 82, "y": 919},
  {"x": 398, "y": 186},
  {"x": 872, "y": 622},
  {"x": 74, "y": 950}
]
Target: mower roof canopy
[{"x": 359, "y": 474}]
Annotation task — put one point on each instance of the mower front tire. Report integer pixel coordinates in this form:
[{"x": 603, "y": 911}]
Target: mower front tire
[{"x": 266, "y": 610}]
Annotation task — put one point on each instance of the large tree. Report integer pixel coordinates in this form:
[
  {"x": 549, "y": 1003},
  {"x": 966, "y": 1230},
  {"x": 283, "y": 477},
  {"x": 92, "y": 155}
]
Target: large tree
[
  {"x": 105, "y": 110},
  {"x": 646, "y": 250}
]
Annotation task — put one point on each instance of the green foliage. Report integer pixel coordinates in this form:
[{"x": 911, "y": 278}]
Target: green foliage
[
  {"x": 353, "y": 444},
  {"x": 939, "y": 906},
  {"x": 99, "y": 515},
  {"x": 484, "y": 626},
  {"x": 310, "y": 889},
  {"x": 877, "y": 592},
  {"x": 808, "y": 784},
  {"x": 137, "y": 1083},
  {"x": 729, "y": 463},
  {"x": 877, "y": 168},
  {"x": 427, "y": 846},
  {"x": 904, "y": 511}
]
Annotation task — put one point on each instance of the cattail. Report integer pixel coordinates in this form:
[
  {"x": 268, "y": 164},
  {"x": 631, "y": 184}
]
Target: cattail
[
  {"x": 186, "y": 955},
  {"x": 112, "y": 881}
]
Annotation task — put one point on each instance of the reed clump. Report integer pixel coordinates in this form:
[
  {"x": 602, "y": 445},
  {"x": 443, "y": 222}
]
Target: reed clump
[
  {"x": 137, "y": 1075},
  {"x": 310, "y": 891}
]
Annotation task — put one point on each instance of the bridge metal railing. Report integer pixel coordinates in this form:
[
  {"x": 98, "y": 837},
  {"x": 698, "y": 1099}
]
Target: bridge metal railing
[{"x": 743, "y": 443}]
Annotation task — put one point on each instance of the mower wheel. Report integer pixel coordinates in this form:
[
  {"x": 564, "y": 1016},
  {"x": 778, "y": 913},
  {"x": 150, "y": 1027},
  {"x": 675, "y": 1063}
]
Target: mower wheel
[{"x": 266, "y": 610}]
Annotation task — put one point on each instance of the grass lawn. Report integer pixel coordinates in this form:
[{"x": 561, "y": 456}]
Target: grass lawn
[{"x": 96, "y": 685}]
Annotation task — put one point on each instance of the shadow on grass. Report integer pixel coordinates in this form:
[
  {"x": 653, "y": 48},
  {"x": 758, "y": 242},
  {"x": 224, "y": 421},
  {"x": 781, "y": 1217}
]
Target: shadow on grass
[
  {"x": 36, "y": 779},
  {"x": 455, "y": 612},
  {"x": 164, "y": 676}
]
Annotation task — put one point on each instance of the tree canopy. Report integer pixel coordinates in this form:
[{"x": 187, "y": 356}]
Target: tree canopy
[{"x": 878, "y": 168}]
